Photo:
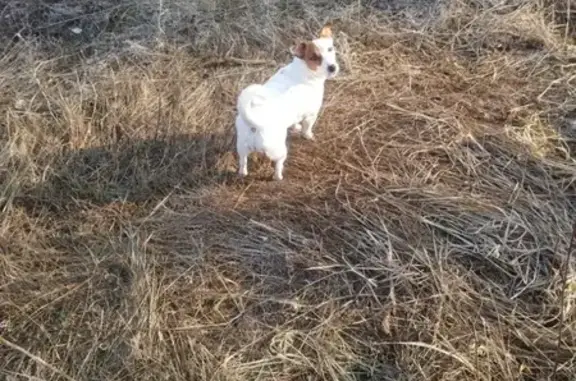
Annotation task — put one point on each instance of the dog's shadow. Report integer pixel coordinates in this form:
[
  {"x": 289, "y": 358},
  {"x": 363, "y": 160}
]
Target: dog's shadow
[{"x": 133, "y": 171}]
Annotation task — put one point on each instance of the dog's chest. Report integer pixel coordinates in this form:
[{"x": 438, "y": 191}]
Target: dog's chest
[
  {"x": 314, "y": 101},
  {"x": 310, "y": 103}
]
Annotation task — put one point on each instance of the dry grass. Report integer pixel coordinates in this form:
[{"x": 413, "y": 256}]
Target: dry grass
[{"x": 420, "y": 238}]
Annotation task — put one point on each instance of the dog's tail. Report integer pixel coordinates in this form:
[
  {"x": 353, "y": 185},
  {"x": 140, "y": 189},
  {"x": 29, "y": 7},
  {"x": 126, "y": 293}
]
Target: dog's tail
[{"x": 249, "y": 99}]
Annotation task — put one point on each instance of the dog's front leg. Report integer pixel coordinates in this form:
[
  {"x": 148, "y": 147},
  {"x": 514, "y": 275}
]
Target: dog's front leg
[
  {"x": 279, "y": 168},
  {"x": 307, "y": 125}
]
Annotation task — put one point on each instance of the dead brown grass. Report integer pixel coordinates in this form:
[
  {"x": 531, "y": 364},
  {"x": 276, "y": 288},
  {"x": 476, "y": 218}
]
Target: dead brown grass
[{"x": 420, "y": 238}]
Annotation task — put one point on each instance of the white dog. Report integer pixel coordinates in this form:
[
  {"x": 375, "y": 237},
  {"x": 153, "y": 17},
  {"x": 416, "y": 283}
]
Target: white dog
[{"x": 291, "y": 98}]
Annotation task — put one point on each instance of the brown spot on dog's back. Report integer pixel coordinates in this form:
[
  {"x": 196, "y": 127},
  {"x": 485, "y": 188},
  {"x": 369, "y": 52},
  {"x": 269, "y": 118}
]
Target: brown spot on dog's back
[{"x": 309, "y": 52}]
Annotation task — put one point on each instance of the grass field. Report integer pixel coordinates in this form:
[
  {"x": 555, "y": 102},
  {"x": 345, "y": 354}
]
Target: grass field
[{"x": 422, "y": 236}]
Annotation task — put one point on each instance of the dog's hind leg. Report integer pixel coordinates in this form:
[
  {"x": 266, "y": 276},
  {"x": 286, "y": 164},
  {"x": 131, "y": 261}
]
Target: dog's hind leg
[
  {"x": 242, "y": 164},
  {"x": 243, "y": 153},
  {"x": 242, "y": 146},
  {"x": 279, "y": 168}
]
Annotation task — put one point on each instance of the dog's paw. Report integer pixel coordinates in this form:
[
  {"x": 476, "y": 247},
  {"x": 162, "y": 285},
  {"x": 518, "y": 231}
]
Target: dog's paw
[
  {"x": 309, "y": 136},
  {"x": 297, "y": 127},
  {"x": 278, "y": 177}
]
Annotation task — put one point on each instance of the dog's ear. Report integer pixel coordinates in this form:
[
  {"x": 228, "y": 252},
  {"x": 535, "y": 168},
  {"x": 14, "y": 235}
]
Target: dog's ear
[
  {"x": 326, "y": 31},
  {"x": 299, "y": 50}
]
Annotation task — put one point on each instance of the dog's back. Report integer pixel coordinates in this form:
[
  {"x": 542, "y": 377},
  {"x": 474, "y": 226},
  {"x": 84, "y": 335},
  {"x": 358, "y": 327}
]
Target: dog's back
[
  {"x": 265, "y": 107},
  {"x": 281, "y": 81}
]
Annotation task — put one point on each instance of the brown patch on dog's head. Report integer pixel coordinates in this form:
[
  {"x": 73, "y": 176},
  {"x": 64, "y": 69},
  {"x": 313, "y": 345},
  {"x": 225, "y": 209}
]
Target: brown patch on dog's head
[
  {"x": 326, "y": 31},
  {"x": 309, "y": 52}
]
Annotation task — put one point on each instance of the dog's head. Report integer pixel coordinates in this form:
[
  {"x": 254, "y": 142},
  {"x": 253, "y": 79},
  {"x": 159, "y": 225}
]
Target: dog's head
[{"x": 319, "y": 54}]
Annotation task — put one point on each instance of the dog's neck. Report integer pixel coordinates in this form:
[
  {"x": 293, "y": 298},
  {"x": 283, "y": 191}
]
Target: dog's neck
[{"x": 300, "y": 72}]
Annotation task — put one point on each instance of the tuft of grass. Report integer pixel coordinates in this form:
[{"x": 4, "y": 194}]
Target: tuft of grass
[{"x": 421, "y": 237}]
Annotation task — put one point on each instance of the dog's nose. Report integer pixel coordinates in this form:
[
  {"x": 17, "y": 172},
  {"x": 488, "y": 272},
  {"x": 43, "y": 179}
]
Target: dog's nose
[{"x": 331, "y": 68}]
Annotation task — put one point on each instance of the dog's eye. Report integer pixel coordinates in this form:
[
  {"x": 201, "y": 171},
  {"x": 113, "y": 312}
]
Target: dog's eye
[{"x": 330, "y": 49}]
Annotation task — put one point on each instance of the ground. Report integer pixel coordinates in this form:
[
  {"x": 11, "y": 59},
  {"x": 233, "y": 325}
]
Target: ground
[{"x": 424, "y": 235}]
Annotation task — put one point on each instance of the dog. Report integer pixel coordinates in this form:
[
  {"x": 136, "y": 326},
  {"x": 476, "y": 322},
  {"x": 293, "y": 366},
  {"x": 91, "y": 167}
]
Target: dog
[{"x": 292, "y": 97}]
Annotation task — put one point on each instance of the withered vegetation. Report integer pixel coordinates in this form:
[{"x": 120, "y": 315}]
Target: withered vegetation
[{"x": 421, "y": 237}]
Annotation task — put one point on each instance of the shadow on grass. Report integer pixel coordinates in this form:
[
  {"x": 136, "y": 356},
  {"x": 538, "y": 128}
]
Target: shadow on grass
[{"x": 133, "y": 171}]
